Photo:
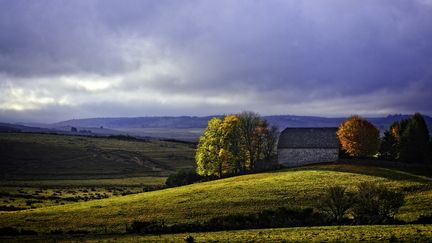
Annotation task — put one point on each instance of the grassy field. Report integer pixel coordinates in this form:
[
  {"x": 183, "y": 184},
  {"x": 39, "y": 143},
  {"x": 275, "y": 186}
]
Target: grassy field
[
  {"x": 19, "y": 195},
  {"x": 299, "y": 187},
  {"x": 44, "y": 156},
  {"x": 375, "y": 233},
  {"x": 39, "y": 170}
]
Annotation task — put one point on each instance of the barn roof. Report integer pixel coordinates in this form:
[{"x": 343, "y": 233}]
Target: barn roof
[{"x": 309, "y": 137}]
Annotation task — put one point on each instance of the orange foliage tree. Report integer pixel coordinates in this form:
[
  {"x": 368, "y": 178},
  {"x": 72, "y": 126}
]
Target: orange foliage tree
[{"x": 358, "y": 137}]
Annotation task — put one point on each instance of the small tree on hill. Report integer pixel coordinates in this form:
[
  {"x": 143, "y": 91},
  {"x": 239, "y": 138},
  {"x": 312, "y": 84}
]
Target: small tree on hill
[
  {"x": 336, "y": 202},
  {"x": 376, "y": 204},
  {"x": 358, "y": 137}
]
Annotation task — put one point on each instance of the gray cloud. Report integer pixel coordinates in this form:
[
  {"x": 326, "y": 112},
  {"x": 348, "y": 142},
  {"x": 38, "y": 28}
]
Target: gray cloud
[{"x": 131, "y": 58}]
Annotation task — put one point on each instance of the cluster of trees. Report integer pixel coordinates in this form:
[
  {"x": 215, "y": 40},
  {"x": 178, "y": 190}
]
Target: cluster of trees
[
  {"x": 236, "y": 144},
  {"x": 406, "y": 141}
]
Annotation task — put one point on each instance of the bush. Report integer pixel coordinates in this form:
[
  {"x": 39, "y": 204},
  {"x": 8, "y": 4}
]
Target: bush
[
  {"x": 183, "y": 177},
  {"x": 376, "y": 204},
  {"x": 336, "y": 202},
  {"x": 148, "y": 227},
  {"x": 281, "y": 217}
]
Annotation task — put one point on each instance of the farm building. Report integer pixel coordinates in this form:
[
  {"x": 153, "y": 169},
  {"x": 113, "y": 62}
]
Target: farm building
[{"x": 300, "y": 146}]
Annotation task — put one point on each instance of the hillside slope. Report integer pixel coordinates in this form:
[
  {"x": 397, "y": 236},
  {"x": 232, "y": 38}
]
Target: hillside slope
[
  {"x": 242, "y": 194},
  {"x": 47, "y": 156}
]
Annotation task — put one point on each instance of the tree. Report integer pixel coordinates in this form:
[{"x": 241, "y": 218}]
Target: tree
[
  {"x": 230, "y": 154},
  {"x": 389, "y": 149},
  {"x": 207, "y": 155},
  {"x": 249, "y": 121},
  {"x": 270, "y": 141},
  {"x": 336, "y": 202},
  {"x": 376, "y": 204},
  {"x": 358, "y": 137},
  {"x": 234, "y": 144},
  {"x": 414, "y": 141}
]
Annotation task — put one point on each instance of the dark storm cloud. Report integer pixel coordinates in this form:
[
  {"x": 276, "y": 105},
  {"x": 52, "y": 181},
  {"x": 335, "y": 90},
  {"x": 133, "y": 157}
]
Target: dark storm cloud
[{"x": 201, "y": 57}]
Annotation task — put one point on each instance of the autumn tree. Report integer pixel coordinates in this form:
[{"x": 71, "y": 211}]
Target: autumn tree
[
  {"x": 358, "y": 137},
  {"x": 235, "y": 144}
]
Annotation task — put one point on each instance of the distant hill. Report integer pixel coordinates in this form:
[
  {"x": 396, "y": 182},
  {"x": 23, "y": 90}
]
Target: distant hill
[
  {"x": 186, "y": 128},
  {"x": 185, "y": 122}
]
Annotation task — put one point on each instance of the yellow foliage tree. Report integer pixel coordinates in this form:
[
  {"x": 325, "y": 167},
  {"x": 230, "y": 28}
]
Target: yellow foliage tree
[{"x": 358, "y": 137}]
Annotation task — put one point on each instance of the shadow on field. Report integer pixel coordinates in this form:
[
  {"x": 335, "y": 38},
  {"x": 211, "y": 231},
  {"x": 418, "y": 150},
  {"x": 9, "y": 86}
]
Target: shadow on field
[{"x": 385, "y": 169}]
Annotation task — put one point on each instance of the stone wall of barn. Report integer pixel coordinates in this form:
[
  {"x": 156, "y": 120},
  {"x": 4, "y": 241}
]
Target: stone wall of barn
[{"x": 302, "y": 156}]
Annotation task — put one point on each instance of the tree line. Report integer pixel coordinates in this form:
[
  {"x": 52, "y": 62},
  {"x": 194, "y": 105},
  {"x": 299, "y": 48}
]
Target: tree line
[
  {"x": 236, "y": 144},
  {"x": 407, "y": 140}
]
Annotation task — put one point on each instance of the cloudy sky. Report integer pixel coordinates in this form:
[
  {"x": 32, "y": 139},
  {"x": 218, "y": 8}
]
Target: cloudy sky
[{"x": 87, "y": 58}]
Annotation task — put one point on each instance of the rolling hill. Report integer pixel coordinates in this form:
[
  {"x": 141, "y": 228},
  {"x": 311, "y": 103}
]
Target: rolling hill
[
  {"x": 49, "y": 156},
  {"x": 297, "y": 187},
  {"x": 191, "y": 127}
]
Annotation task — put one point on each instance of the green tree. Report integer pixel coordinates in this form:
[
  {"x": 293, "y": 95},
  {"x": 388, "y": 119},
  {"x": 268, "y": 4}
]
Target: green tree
[
  {"x": 231, "y": 150},
  {"x": 358, "y": 137},
  {"x": 414, "y": 141},
  {"x": 207, "y": 155},
  {"x": 235, "y": 144},
  {"x": 389, "y": 149}
]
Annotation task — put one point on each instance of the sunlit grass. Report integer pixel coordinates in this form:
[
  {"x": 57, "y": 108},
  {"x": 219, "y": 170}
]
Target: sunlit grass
[
  {"x": 300, "y": 187},
  {"x": 386, "y": 233}
]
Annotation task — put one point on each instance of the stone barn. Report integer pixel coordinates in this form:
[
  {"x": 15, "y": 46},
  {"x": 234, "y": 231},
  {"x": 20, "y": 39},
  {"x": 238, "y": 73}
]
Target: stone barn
[{"x": 300, "y": 146}]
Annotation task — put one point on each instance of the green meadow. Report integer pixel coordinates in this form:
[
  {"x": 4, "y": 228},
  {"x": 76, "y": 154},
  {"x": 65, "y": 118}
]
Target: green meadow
[
  {"x": 299, "y": 187},
  {"x": 105, "y": 188}
]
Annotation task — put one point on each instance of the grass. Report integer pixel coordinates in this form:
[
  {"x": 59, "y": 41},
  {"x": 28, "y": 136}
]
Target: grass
[
  {"x": 405, "y": 233},
  {"x": 299, "y": 187},
  {"x": 44, "y": 156},
  {"x": 18, "y": 195},
  {"x": 369, "y": 233},
  {"x": 39, "y": 170}
]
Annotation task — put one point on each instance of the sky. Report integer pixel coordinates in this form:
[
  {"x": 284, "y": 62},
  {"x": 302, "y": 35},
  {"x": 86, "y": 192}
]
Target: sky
[{"x": 63, "y": 59}]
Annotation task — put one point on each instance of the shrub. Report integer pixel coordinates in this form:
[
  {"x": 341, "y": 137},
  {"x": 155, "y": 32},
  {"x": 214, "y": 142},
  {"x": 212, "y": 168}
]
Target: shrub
[
  {"x": 148, "y": 227},
  {"x": 183, "y": 177},
  {"x": 376, "y": 204},
  {"x": 336, "y": 202},
  {"x": 281, "y": 217}
]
